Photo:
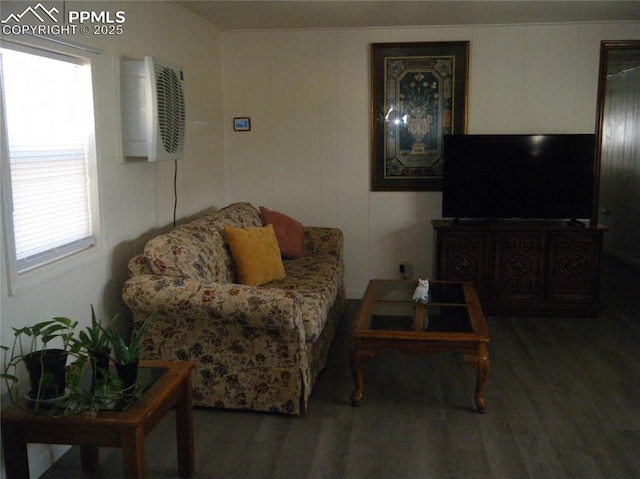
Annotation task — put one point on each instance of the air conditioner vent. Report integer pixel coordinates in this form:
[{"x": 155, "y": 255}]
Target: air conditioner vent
[
  {"x": 153, "y": 109},
  {"x": 170, "y": 108}
]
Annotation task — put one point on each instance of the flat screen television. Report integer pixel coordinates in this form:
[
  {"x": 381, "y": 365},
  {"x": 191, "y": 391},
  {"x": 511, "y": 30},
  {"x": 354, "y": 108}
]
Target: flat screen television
[{"x": 518, "y": 176}]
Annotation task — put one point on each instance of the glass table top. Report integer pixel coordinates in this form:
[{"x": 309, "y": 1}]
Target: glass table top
[
  {"x": 394, "y": 309},
  {"x": 147, "y": 377},
  {"x": 403, "y": 291}
]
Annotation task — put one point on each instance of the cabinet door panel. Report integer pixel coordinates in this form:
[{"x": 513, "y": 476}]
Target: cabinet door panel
[
  {"x": 519, "y": 266},
  {"x": 465, "y": 257},
  {"x": 574, "y": 266}
]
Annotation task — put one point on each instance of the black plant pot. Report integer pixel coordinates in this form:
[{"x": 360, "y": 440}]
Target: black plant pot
[
  {"x": 100, "y": 367},
  {"x": 128, "y": 374},
  {"x": 47, "y": 373}
]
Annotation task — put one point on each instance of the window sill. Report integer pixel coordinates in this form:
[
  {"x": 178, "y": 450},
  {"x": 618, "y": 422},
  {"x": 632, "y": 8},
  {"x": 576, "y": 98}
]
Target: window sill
[{"x": 21, "y": 282}]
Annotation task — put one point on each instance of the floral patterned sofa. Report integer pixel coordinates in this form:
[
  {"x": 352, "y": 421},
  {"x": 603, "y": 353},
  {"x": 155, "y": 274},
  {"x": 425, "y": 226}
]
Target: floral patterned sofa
[{"x": 256, "y": 347}]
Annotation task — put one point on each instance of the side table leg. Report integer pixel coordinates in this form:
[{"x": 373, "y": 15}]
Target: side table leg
[
  {"x": 481, "y": 365},
  {"x": 133, "y": 453},
  {"x": 184, "y": 431},
  {"x": 16, "y": 459},
  {"x": 89, "y": 458},
  {"x": 358, "y": 358}
]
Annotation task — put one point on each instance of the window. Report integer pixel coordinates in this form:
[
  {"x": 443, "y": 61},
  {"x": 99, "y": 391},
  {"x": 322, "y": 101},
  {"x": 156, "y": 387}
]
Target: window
[{"x": 49, "y": 156}]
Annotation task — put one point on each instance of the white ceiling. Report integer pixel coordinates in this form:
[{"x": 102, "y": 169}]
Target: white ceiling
[{"x": 293, "y": 14}]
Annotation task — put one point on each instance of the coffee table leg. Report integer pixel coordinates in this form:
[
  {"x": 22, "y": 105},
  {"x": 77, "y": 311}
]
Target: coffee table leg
[
  {"x": 358, "y": 358},
  {"x": 481, "y": 365}
]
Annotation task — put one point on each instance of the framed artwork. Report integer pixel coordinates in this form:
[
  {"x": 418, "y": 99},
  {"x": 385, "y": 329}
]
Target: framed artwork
[
  {"x": 242, "y": 124},
  {"x": 418, "y": 95}
]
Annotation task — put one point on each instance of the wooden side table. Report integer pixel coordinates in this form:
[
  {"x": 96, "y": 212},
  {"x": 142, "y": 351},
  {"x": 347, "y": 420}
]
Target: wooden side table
[{"x": 126, "y": 429}]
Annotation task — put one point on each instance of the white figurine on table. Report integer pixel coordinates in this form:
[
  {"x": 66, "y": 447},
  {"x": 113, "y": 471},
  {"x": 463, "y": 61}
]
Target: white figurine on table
[{"x": 421, "y": 294}]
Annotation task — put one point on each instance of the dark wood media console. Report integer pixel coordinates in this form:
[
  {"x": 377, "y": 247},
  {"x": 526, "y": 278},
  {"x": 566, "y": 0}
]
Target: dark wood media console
[{"x": 523, "y": 267}]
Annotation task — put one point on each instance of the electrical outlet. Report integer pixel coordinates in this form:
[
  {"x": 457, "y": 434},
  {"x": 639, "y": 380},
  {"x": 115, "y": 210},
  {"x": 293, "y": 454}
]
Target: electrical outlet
[{"x": 405, "y": 269}]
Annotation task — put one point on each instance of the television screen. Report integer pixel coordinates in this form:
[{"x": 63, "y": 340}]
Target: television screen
[{"x": 518, "y": 176}]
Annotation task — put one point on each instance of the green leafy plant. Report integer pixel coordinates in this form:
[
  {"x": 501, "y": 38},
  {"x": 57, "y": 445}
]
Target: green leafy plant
[
  {"x": 95, "y": 342},
  {"x": 94, "y": 338},
  {"x": 41, "y": 334},
  {"x": 31, "y": 344},
  {"x": 126, "y": 352},
  {"x": 72, "y": 393}
]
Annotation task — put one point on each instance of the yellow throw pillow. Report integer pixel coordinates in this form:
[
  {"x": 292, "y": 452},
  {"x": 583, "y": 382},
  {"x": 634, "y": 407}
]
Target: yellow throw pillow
[{"x": 256, "y": 254}]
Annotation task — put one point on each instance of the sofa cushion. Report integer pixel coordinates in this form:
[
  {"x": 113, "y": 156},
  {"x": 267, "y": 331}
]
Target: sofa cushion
[
  {"x": 240, "y": 215},
  {"x": 289, "y": 232},
  {"x": 256, "y": 254},
  {"x": 188, "y": 251},
  {"x": 316, "y": 281},
  {"x": 198, "y": 249}
]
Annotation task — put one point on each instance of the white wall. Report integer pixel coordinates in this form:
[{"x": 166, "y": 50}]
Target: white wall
[
  {"x": 308, "y": 154},
  {"x": 136, "y": 198}
]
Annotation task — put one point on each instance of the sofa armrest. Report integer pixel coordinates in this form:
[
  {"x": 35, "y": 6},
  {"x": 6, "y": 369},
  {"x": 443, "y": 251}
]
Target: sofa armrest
[
  {"x": 138, "y": 265},
  {"x": 188, "y": 299},
  {"x": 322, "y": 241}
]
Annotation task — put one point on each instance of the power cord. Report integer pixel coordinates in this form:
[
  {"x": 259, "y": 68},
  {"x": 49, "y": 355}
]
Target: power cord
[{"x": 175, "y": 191}]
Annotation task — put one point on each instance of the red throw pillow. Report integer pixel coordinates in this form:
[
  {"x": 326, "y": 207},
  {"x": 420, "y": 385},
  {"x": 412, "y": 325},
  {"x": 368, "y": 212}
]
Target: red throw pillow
[{"x": 288, "y": 232}]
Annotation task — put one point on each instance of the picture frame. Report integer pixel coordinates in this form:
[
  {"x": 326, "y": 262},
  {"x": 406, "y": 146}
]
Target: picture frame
[
  {"x": 242, "y": 123},
  {"x": 418, "y": 95}
]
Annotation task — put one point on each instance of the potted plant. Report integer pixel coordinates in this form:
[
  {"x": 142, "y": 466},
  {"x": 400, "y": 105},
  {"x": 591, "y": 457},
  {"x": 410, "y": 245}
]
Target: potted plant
[
  {"x": 96, "y": 343},
  {"x": 47, "y": 367},
  {"x": 126, "y": 355}
]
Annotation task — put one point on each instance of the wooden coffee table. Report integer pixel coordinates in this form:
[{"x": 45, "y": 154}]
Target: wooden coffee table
[
  {"x": 125, "y": 429},
  {"x": 452, "y": 320}
]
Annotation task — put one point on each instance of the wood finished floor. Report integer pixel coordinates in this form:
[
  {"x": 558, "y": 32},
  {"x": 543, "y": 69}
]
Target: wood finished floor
[{"x": 563, "y": 401}]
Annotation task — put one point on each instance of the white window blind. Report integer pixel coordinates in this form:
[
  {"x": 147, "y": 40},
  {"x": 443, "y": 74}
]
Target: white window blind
[{"x": 49, "y": 128}]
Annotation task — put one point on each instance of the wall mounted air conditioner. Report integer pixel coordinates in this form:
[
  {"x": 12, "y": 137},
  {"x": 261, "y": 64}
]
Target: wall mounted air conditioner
[{"x": 153, "y": 109}]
